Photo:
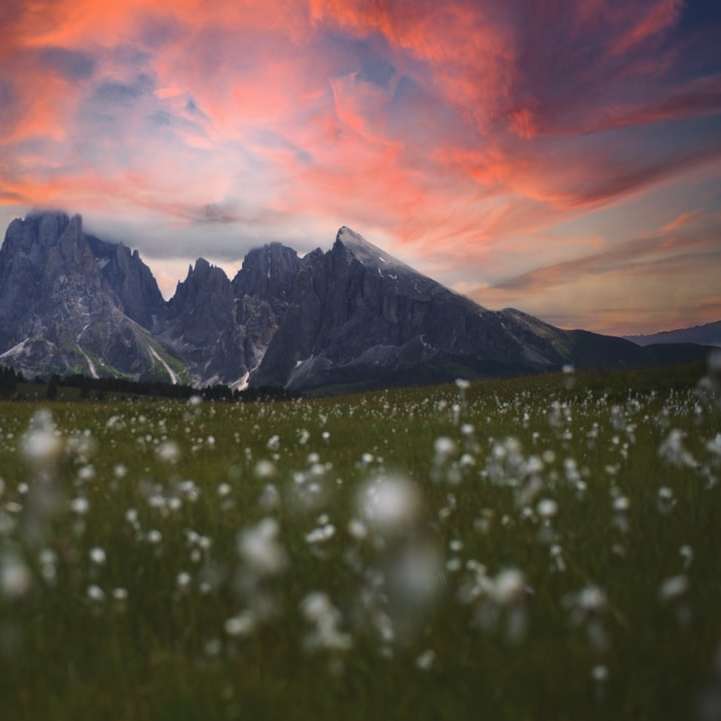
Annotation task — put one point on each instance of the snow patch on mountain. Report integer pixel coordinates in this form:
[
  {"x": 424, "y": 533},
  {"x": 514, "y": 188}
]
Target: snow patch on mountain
[{"x": 161, "y": 360}]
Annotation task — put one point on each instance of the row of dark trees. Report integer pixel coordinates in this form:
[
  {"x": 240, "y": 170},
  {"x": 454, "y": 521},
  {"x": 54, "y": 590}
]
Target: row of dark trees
[
  {"x": 9, "y": 379},
  {"x": 99, "y": 388}
]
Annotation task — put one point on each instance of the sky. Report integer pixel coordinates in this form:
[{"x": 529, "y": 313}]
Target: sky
[{"x": 558, "y": 156}]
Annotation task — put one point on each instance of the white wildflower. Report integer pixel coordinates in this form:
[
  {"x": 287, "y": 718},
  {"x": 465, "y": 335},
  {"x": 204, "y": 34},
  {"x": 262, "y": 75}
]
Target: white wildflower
[{"x": 260, "y": 549}]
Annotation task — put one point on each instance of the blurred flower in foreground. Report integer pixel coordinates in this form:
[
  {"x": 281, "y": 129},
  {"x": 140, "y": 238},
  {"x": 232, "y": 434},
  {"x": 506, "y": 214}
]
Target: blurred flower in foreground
[{"x": 389, "y": 504}]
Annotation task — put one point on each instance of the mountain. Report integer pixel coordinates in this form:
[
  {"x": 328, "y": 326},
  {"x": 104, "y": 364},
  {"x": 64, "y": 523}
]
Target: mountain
[
  {"x": 221, "y": 329},
  {"x": 707, "y": 334},
  {"x": 70, "y": 302},
  {"x": 359, "y": 317},
  {"x": 200, "y": 324},
  {"x": 350, "y": 318}
]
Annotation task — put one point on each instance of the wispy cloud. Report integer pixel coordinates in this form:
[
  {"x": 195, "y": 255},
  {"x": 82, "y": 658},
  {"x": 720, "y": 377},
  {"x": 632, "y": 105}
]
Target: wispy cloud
[
  {"x": 671, "y": 274},
  {"x": 455, "y": 132}
]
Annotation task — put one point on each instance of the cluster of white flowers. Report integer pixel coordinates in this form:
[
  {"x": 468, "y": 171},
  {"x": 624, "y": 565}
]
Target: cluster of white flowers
[
  {"x": 389, "y": 504},
  {"x": 325, "y": 620},
  {"x": 487, "y": 523},
  {"x": 260, "y": 548}
]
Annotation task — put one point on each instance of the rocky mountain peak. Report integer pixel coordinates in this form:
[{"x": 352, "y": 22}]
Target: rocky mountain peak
[
  {"x": 204, "y": 283},
  {"x": 353, "y": 245},
  {"x": 201, "y": 265},
  {"x": 267, "y": 272},
  {"x": 44, "y": 247},
  {"x": 203, "y": 271},
  {"x": 72, "y": 302},
  {"x": 130, "y": 279},
  {"x": 50, "y": 224},
  {"x": 220, "y": 333},
  {"x": 40, "y": 231}
]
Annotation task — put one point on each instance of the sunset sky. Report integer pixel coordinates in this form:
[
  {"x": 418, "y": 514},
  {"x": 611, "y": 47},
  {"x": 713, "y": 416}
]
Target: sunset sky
[{"x": 560, "y": 157}]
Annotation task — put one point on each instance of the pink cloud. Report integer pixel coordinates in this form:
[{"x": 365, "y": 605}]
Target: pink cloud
[{"x": 482, "y": 133}]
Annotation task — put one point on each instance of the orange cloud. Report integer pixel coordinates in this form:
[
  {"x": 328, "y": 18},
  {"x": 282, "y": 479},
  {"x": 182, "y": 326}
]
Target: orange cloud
[
  {"x": 454, "y": 130},
  {"x": 659, "y": 17}
]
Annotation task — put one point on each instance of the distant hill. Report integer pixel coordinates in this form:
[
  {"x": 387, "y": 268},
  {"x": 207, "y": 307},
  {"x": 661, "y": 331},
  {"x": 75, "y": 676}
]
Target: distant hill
[{"x": 707, "y": 334}]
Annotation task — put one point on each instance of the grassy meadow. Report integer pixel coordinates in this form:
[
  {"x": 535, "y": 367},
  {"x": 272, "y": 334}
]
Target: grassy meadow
[{"x": 538, "y": 548}]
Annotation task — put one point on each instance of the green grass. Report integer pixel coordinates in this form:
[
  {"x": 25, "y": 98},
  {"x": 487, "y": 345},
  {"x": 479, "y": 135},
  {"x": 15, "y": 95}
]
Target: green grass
[{"x": 165, "y": 652}]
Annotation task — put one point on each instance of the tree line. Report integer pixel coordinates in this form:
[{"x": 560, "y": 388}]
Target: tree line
[{"x": 99, "y": 388}]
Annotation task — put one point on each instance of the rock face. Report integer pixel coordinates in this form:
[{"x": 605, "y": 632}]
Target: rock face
[
  {"x": 199, "y": 322},
  {"x": 222, "y": 329},
  {"x": 131, "y": 280},
  {"x": 351, "y": 318},
  {"x": 358, "y": 318},
  {"x": 268, "y": 273},
  {"x": 73, "y": 303}
]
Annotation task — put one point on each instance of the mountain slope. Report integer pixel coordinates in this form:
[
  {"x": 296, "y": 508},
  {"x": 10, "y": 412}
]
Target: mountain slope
[
  {"x": 359, "y": 318},
  {"x": 351, "y": 317},
  {"x": 221, "y": 329},
  {"x": 72, "y": 303},
  {"x": 707, "y": 334},
  {"x": 199, "y": 324},
  {"x": 131, "y": 281}
]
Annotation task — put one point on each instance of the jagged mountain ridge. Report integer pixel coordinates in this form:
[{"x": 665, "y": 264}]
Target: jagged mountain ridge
[
  {"x": 359, "y": 317},
  {"x": 222, "y": 328},
  {"x": 70, "y": 302},
  {"x": 351, "y": 317},
  {"x": 95, "y": 308}
]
